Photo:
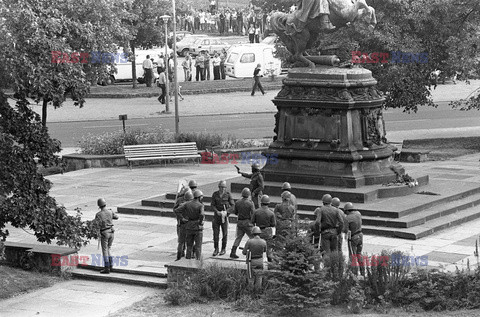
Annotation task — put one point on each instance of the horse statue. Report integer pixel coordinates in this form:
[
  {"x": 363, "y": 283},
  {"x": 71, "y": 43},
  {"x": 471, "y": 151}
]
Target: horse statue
[{"x": 299, "y": 30}]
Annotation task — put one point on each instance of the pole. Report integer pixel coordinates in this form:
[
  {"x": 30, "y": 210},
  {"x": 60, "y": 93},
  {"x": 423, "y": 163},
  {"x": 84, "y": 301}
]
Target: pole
[
  {"x": 175, "y": 79},
  {"x": 167, "y": 98}
]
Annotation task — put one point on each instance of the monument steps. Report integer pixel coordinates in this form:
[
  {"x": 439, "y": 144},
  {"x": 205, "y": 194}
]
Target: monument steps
[
  {"x": 426, "y": 229},
  {"x": 120, "y": 275}
]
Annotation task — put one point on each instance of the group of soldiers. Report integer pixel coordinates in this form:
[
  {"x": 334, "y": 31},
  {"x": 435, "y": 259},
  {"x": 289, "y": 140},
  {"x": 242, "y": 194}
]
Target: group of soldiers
[{"x": 256, "y": 220}]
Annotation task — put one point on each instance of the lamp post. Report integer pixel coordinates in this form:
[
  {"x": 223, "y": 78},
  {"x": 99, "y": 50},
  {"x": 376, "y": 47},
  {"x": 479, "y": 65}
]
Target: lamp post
[
  {"x": 167, "y": 98},
  {"x": 175, "y": 79}
]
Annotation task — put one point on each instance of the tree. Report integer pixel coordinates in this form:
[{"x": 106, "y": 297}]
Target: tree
[
  {"x": 24, "y": 193},
  {"x": 144, "y": 25},
  {"x": 32, "y": 30},
  {"x": 446, "y": 30}
]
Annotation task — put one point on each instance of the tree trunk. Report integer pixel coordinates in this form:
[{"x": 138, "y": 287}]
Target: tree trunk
[
  {"x": 44, "y": 112},
  {"x": 134, "y": 68}
]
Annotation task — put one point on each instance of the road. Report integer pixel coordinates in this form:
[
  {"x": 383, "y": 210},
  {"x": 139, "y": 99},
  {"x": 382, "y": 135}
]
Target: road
[{"x": 438, "y": 122}]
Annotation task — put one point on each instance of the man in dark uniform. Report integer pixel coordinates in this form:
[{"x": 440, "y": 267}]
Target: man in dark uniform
[
  {"x": 222, "y": 200},
  {"x": 192, "y": 184},
  {"x": 286, "y": 187},
  {"x": 193, "y": 215},
  {"x": 264, "y": 218},
  {"x": 336, "y": 204},
  {"x": 331, "y": 224},
  {"x": 256, "y": 246},
  {"x": 181, "y": 233},
  {"x": 256, "y": 183},
  {"x": 355, "y": 235},
  {"x": 104, "y": 222},
  {"x": 244, "y": 210}
]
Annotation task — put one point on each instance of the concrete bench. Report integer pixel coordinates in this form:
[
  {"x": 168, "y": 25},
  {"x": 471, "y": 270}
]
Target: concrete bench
[
  {"x": 165, "y": 151},
  {"x": 414, "y": 155},
  {"x": 39, "y": 256}
]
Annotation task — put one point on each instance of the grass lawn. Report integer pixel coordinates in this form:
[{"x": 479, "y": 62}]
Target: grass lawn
[
  {"x": 156, "y": 306},
  {"x": 445, "y": 148},
  {"x": 15, "y": 281}
]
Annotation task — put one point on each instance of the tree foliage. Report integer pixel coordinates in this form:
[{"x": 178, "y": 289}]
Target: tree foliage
[
  {"x": 447, "y": 30},
  {"x": 24, "y": 193},
  {"x": 31, "y": 29}
]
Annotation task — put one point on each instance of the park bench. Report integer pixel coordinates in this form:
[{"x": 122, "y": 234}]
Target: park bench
[{"x": 167, "y": 151}]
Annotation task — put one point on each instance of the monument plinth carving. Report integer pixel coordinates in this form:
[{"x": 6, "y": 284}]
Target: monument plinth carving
[{"x": 330, "y": 129}]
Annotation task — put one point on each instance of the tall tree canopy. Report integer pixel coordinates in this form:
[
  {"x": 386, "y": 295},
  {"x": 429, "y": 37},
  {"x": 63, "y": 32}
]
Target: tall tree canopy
[{"x": 447, "y": 30}]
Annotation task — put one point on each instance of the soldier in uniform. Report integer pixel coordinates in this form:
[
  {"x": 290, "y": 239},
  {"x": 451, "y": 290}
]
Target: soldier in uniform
[
  {"x": 257, "y": 247},
  {"x": 355, "y": 235},
  {"x": 192, "y": 184},
  {"x": 264, "y": 218},
  {"x": 256, "y": 183},
  {"x": 285, "y": 215},
  {"x": 104, "y": 222},
  {"x": 193, "y": 215},
  {"x": 286, "y": 187},
  {"x": 181, "y": 233},
  {"x": 336, "y": 204},
  {"x": 222, "y": 200},
  {"x": 331, "y": 224},
  {"x": 244, "y": 210}
]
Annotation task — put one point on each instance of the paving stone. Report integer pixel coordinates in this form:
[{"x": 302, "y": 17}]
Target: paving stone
[{"x": 445, "y": 257}]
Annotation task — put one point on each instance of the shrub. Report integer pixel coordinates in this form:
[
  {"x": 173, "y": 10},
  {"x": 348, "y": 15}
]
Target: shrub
[
  {"x": 203, "y": 140},
  {"x": 177, "y": 296}
]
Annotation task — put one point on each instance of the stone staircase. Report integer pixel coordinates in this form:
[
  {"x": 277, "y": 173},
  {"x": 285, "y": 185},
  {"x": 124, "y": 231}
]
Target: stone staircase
[
  {"x": 393, "y": 211},
  {"x": 122, "y": 275}
]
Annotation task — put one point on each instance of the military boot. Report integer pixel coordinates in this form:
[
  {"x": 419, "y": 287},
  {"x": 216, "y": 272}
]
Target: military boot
[{"x": 233, "y": 254}]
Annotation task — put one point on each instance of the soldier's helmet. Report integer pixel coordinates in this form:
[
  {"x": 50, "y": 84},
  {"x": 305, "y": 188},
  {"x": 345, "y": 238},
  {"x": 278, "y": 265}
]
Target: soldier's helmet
[
  {"x": 265, "y": 200},
  {"x": 246, "y": 192},
  {"x": 336, "y": 202},
  {"x": 256, "y": 165},
  {"x": 348, "y": 206},
  {"x": 256, "y": 230},
  {"x": 286, "y": 186},
  {"x": 286, "y": 195},
  {"x": 197, "y": 193},
  {"x": 101, "y": 202},
  {"x": 188, "y": 195},
  {"x": 222, "y": 184},
  {"x": 192, "y": 184},
  {"x": 327, "y": 199}
]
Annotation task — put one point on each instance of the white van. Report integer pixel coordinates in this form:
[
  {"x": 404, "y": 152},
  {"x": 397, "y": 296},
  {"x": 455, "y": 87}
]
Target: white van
[
  {"x": 124, "y": 69},
  {"x": 242, "y": 60}
]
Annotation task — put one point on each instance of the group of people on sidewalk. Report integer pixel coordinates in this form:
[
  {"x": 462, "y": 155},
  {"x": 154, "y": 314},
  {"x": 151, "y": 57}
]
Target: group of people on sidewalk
[{"x": 261, "y": 224}]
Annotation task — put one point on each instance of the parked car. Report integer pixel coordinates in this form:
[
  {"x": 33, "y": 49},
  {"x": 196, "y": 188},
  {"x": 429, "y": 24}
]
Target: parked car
[
  {"x": 209, "y": 44},
  {"x": 242, "y": 60},
  {"x": 183, "y": 46}
]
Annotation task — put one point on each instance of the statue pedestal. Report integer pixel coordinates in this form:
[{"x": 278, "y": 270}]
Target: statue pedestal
[{"x": 330, "y": 130}]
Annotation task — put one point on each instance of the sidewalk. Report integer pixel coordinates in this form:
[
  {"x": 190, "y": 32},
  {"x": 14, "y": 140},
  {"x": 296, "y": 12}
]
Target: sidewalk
[{"x": 150, "y": 242}]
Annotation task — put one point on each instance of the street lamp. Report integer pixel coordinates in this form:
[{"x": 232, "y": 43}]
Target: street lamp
[
  {"x": 167, "y": 98},
  {"x": 175, "y": 79}
]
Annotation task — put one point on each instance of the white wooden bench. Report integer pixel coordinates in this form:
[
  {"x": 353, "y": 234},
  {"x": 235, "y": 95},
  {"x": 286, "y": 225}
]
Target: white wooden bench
[{"x": 165, "y": 151}]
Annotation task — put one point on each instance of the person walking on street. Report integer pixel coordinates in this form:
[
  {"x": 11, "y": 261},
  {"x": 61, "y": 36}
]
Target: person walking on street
[
  {"x": 336, "y": 204},
  {"x": 254, "y": 250},
  {"x": 222, "y": 201},
  {"x": 104, "y": 222},
  {"x": 193, "y": 216},
  {"x": 264, "y": 218},
  {"x": 256, "y": 183},
  {"x": 162, "y": 83},
  {"x": 148, "y": 71},
  {"x": 181, "y": 231},
  {"x": 244, "y": 210},
  {"x": 354, "y": 236},
  {"x": 331, "y": 224},
  {"x": 256, "y": 80}
]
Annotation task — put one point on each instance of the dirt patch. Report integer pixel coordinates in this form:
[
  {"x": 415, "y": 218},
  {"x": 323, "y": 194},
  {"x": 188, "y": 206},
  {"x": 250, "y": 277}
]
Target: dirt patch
[{"x": 445, "y": 148}]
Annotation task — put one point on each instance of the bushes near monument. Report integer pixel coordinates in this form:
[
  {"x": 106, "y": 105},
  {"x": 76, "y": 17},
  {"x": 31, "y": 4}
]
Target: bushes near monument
[{"x": 112, "y": 143}]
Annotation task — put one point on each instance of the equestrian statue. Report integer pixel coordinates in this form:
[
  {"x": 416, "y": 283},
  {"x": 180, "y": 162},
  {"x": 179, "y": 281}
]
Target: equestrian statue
[{"x": 299, "y": 30}]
